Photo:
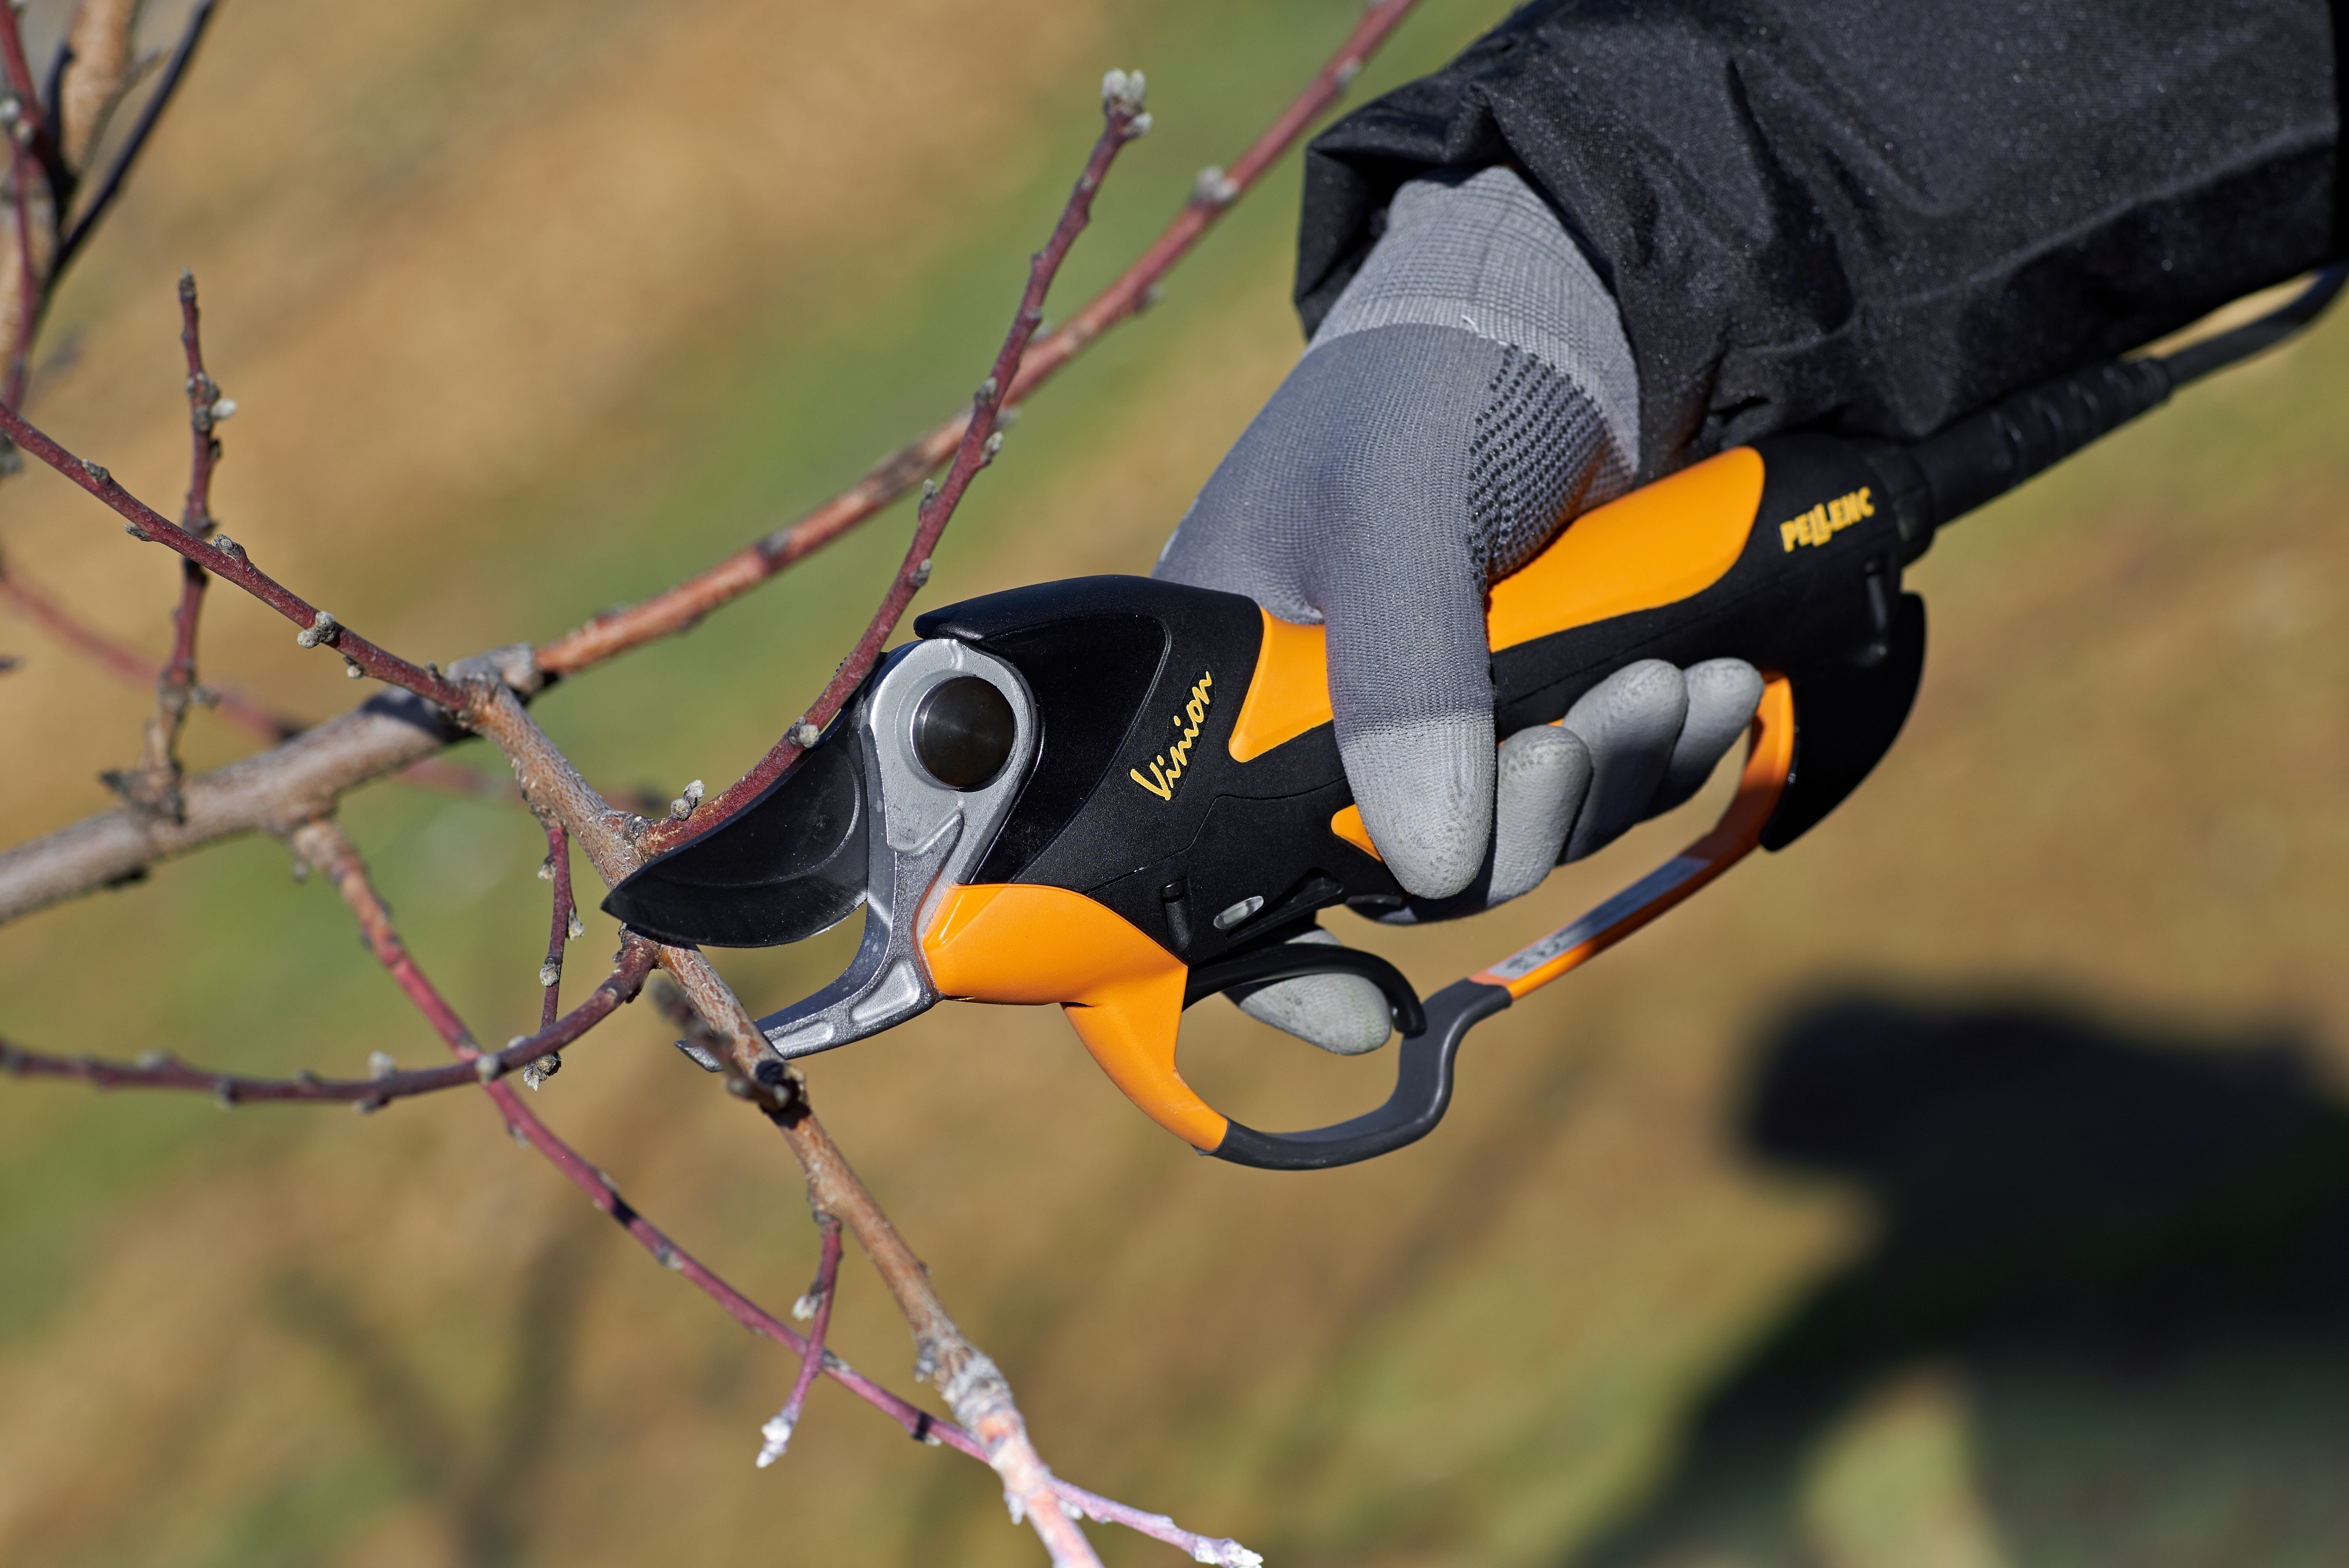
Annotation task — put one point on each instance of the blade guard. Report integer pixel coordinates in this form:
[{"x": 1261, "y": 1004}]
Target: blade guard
[{"x": 1124, "y": 993}]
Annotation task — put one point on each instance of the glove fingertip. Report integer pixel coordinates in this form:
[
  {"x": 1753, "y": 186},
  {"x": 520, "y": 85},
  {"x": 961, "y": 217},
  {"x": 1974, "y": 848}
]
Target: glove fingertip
[{"x": 1425, "y": 793}]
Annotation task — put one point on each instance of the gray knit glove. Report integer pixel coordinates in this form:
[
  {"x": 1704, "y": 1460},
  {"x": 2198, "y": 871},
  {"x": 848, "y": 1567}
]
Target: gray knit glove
[{"x": 1470, "y": 392}]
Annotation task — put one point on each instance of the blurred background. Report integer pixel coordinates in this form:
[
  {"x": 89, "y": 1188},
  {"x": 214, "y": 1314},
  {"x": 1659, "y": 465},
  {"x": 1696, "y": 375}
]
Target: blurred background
[{"x": 1968, "y": 1185}]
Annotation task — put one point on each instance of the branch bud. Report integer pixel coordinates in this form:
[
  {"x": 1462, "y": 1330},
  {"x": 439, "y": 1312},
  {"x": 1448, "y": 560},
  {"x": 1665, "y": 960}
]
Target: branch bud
[
  {"x": 322, "y": 629},
  {"x": 380, "y": 1065},
  {"x": 549, "y": 975},
  {"x": 488, "y": 1067},
  {"x": 805, "y": 735},
  {"x": 682, "y": 807},
  {"x": 1122, "y": 90},
  {"x": 778, "y": 1435},
  {"x": 1214, "y": 187},
  {"x": 579, "y": 928}
]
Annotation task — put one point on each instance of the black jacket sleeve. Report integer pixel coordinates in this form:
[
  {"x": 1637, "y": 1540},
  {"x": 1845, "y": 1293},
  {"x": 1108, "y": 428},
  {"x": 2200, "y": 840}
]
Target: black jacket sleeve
[{"x": 1874, "y": 215}]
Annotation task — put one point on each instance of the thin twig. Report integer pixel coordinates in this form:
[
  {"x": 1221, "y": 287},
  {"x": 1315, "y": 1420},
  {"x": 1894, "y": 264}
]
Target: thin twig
[
  {"x": 156, "y": 782},
  {"x": 1213, "y": 194},
  {"x": 992, "y": 1428},
  {"x": 562, "y": 927},
  {"x": 1123, "y": 120},
  {"x": 30, "y": 287},
  {"x": 974, "y": 1388},
  {"x": 161, "y": 1070},
  {"x": 306, "y": 776},
  {"x": 226, "y": 559},
  {"x": 137, "y": 669},
  {"x": 22, "y": 86},
  {"x": 815, "y": 1306},
  {"x": 198, "y": 18}
]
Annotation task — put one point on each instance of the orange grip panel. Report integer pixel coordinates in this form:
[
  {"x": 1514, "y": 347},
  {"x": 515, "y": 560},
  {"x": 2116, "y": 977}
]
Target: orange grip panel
[
  {"x": 1023, "y": 943},
  {"x": 1662, "y": 543}
]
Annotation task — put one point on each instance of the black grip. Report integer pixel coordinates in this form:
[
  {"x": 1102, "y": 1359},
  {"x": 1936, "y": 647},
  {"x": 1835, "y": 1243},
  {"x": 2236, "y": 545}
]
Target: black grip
[
  {"x": 1983, "y": 456},
  {"x": 1422, "y": 1092},
  {"x": 1294, "y": 961}
]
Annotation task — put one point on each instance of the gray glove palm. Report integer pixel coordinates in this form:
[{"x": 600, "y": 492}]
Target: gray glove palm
[{"x": 1470, "y": 392}]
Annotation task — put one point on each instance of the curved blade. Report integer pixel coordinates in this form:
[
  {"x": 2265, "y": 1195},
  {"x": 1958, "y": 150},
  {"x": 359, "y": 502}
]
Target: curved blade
[{"x": 794, "y": 863}]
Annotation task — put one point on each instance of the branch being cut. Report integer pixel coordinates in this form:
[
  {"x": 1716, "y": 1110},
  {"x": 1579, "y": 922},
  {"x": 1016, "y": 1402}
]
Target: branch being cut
[
  {"x": 1217, "y": 190},
  {"x": 303, "y": 777},
  {"x": 1123, "y": 120}
]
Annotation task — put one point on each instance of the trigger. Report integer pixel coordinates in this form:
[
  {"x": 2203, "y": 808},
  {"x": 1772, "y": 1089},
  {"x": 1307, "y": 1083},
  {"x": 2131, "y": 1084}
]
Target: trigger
[{"x": 1345, "y": 1014}]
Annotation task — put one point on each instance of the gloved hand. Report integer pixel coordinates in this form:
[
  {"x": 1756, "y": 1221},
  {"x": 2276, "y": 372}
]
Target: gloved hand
[{"x": 1470, "y": 393}]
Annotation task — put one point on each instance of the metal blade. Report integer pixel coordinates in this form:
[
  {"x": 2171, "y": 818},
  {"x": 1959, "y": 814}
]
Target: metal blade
[{"x": 794, "y": 863}]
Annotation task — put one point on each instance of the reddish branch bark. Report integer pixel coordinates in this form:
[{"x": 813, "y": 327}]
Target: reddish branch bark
[
  {"x": 816, "y": 1307},
  {"x": 680, "y": 608},
  {"x": 1123, "y": 120},
  {"x": 303, "y": 777},
  {"x": 225, "y": 558},
  {"x": 155, "y": 783},
  {"x": 288, "y": 790},
  {"x": 160, "y": 1070}
]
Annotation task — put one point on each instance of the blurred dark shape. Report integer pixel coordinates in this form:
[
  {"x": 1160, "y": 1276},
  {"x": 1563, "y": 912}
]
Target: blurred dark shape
[
  {"x": 2132, "y": 1251},
  {"x": 482, "y": 1465}
]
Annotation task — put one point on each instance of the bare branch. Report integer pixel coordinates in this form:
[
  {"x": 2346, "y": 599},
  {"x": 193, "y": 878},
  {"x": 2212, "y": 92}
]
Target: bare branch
[
  {"x": 816, "y": 1305},
  {"x": 1123, "y": 120},
  {"x": 199, "y": 18},
  {"x": 284, "y": 785},
  {"x": 96, "y": 71},
  {"x": 563, "y": 927},
  {"x": 160, "y": 1070},
  {"x": 227, "y": 559},
  {"x": 271, "y": 793},
  {"x": 680, "y": 607},
  {"x": 154, "y": 785},
  {"x": 38, "y": 137},
  {"x": 975, "y": 1389}
]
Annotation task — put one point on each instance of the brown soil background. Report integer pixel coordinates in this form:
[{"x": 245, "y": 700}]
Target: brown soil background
[{"x": 534, "y": 307}]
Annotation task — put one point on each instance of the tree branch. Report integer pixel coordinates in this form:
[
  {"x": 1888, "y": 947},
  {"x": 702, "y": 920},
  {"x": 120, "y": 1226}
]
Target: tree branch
[
  {"x": 1123, "y": 120},
  {"x": 815, "y": 1306},
  {"x": 682, "y": 606},
  {"x": 303, "y": 776},
  {"x": 159, "y": 1070},
  {"x": 155, "y": 783},
  {"x": 183, "y": 54},
  {"x": 225, "y": 558}
]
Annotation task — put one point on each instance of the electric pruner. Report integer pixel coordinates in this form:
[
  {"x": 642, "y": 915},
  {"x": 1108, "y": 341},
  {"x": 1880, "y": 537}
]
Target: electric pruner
[{"x": 1125, "y": 796}]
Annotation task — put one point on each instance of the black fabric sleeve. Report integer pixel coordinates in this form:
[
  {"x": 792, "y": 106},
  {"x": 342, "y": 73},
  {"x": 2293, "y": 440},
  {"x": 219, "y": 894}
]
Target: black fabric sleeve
[{"x": 1874, "y": 215}]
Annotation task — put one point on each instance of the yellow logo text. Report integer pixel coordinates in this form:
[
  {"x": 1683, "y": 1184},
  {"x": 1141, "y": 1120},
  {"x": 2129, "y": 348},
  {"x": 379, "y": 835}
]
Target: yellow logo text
[
  {"x": 1826, "y": 520},
  {"x": 1166, "y": 767}
]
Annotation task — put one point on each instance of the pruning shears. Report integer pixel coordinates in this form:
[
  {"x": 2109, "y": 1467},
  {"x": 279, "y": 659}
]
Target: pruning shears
[{"x": 1125, "y": 796}]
